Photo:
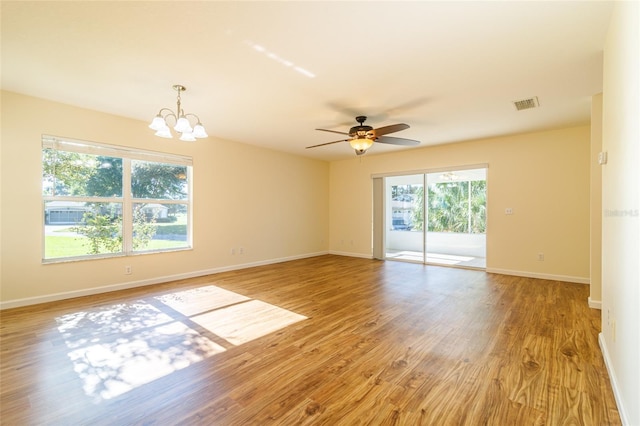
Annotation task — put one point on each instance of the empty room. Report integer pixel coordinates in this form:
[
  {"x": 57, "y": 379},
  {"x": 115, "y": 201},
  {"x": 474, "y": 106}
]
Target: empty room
[{"x": 336, "y": 213}]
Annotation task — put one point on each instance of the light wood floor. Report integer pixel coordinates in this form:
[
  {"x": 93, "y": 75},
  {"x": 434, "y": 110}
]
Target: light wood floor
[{"x": 328, "y": 340}]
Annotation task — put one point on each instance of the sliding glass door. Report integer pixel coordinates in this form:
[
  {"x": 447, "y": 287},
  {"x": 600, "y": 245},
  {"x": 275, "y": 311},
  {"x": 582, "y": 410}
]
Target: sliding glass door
[{"x": 437, "y": 218}]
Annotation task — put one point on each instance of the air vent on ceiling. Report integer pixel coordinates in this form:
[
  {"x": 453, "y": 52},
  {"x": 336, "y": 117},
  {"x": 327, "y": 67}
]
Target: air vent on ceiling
[{"x": 526, "y": 103}]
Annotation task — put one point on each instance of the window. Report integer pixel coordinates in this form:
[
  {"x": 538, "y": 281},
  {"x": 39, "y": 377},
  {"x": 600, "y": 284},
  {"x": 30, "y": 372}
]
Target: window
[{"x": 102, "y": 201}]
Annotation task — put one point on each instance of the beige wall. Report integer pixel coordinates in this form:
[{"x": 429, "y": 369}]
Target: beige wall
[
  {"x": 272, "y": 204},
  {"x": 620, "y": 338},
  {"x": 543, "y": 177}
]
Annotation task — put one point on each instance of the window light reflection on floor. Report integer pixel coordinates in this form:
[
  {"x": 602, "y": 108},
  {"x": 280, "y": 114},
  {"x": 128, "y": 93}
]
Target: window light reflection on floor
[
  {"x": 115, "y": 349},
  {"x": 247, "y": 321},
  {"x": 109, "y": 369},
  {"x": 437, "y": 258}
]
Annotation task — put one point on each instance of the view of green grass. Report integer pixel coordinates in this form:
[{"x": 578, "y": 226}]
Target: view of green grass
[
  {"x": 70, "y": 246},
  {"x": 75, "y": 246},
  {"x": 171, "y": 229},
  {"x": 63, "y": 247}
]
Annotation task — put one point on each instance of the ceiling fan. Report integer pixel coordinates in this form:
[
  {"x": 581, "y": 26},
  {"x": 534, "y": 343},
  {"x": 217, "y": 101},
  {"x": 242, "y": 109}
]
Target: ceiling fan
[{"x": 361, "y": 137}]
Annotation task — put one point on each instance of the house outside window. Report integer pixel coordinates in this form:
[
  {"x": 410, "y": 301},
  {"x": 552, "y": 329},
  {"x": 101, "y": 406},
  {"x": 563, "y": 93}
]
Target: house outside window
[{"x": 104, "y": 201}]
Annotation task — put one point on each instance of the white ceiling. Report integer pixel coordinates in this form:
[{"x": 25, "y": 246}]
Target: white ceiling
[{"x": 448, "y": 69}]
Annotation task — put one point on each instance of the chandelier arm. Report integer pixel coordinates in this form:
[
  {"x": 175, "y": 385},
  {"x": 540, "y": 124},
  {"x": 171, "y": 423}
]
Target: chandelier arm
[
  {"x": 190, "y": 114},
  {"x": 170, "y": 113}
]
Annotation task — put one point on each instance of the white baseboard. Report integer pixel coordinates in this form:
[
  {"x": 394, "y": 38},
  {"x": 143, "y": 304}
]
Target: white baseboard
[
  {"x": 16, "y": 303},
  {"x": 344, "y": 253},
  {"x": 566, "y": 278},
  {"x": 614, "y": 381},
  {"x": 595, "y": 304}
]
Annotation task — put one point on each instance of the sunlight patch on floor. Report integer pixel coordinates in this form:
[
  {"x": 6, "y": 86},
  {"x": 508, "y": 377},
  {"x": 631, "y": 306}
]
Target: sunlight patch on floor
[
  {"x": 114, "y": 349},
  {"x": 447, "y": 259},
  {"x": 109, "y": 369},
  {"x": 201, "y": 299},
  {"x": 102, "y": 321},
  {"x": 247, "y": 321},
  {"x": 435, "y": 258}
]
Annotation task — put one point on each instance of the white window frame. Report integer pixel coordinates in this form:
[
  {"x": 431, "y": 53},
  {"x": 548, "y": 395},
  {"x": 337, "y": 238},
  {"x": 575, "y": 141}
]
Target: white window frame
[{"x": 127, "y": 200}]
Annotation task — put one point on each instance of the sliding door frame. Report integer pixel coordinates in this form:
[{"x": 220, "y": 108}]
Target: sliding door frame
[{"x": 380, "y": 203}]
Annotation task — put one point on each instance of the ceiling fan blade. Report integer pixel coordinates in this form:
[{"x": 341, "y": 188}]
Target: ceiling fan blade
[
  {"x": 397, "y": 141},
  {"x": 333, "y": 131},
  {"x": 328, "y": 143},
  {"x": 390, "y": 129}
]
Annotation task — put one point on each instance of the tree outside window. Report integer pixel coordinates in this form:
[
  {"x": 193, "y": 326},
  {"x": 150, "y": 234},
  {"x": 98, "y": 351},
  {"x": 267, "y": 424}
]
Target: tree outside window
[{"x": 458, "y": 207}]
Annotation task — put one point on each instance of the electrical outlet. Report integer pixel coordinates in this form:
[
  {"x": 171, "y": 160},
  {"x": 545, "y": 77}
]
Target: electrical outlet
[
  {"x": 127, "y": 270},
  {"x": 540, "y": 257},
  {"x": 508, "y": 210},
  {"x": 233, "y": 251},
  {"x": 241, "y": 250}
]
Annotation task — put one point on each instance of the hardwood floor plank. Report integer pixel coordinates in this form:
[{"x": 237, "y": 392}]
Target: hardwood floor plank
[
  {"x": 328, "y": 340},
  {"x": 528, "y": 378}
]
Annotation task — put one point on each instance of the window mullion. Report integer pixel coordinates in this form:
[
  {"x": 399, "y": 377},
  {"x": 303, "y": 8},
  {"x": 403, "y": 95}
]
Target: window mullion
[
  {"x": 127, "y": 208},
  {"x": 158, "y": 201},
  {"x": 83, "y": 199}
]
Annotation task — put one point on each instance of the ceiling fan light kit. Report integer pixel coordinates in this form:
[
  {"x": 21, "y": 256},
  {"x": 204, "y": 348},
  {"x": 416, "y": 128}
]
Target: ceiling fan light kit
[
  {"x": 182, "y": 123},
  {"x": 360, "y": 144},
  {"x": 362, "y": 137}
]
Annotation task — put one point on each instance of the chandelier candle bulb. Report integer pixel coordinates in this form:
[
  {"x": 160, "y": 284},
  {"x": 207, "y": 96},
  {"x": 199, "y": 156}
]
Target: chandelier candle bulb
[
  {"x": 199, "y": 132},
  {"x": 188, "y": 137},
  {"x": 158, "y": 123},
  {"x": 183, "y": 126}
]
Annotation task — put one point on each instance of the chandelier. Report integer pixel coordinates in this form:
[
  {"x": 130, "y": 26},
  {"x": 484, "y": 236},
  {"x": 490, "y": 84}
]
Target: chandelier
[{"x": 182, "y": 124}]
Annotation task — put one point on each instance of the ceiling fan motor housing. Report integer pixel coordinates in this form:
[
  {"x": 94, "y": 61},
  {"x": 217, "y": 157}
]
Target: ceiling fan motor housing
[{"x": 361, "y": 131}]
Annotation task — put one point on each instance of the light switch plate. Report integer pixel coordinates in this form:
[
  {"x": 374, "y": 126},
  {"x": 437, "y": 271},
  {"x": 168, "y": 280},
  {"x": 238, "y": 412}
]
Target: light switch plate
[{"x": 602, "y": 158}]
